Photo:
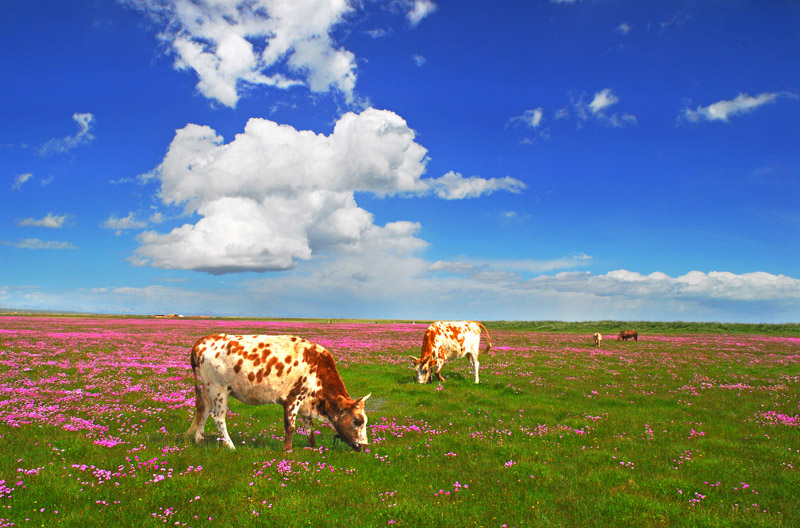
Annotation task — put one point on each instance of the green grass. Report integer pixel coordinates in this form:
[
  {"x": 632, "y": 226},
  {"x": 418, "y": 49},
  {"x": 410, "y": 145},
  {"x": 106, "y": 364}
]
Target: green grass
[{"x": 670, "y": 431}]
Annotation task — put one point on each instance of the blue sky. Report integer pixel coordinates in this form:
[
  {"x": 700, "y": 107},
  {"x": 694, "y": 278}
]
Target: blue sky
[{"x": 570, "y": 160}]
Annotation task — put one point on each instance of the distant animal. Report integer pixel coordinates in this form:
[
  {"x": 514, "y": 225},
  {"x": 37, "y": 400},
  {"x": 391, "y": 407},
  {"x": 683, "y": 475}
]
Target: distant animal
[
  {"x": 287, "y": 370},
  {"x": 445, "y": 340},
  {"x": 597, "y": 338},
  {"x": 628, "y": 334}
]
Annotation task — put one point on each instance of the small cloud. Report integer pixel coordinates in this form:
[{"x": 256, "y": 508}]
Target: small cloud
[
  {"x": 419, "y": 9},
  {"x": 679, "y": 19},
  {"x": 377, "y": 33},
  {"x": 20, "y": 180},
  {"x": 122, "y": 224},
  {"x": 597, "y": 109},
  {"x": 725, "y": 109},
  {"x": 513, "y": 216},
  {"x": 419, "y": 60},
  {"x": 530, "y": 118},
  {"x": 50, "y": 220},
  {"x": 624, "y": 28},
  {"x": 602, "y": 100},
  {"x": 65, "y": 144},
  {"x": 453, "y": 186},
  {"x": 35, "y": 243}
]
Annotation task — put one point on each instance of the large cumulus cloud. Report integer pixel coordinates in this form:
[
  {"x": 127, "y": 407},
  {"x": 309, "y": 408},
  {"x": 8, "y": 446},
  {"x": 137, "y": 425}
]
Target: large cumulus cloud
[{"x": 276, "y": 195}]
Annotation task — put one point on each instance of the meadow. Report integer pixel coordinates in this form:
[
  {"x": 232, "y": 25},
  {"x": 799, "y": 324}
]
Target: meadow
[{"x": 689, "y": 426}]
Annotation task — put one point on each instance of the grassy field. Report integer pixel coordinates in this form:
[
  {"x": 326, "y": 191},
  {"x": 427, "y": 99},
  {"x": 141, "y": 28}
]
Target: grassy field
[{"x": 694, "y": 425}]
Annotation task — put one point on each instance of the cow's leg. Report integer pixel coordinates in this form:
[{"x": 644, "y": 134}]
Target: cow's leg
[
  {"x": 290, "y": 408},
  {"x": 439, "y": 371},
  {"x": 219, "y": 408},
  {"x": 308, "y": 425},
  {"x": 473, "y": 361},
  {"x": 202, "y": 409}
]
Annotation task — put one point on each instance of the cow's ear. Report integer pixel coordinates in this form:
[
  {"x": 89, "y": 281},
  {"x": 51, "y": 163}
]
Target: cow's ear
[{"x": 341, "y": 402}]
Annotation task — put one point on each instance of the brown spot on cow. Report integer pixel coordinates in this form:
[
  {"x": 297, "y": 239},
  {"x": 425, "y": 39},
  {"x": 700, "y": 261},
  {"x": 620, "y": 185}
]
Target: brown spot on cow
[
  {"x": 251, "y": 376},
  {"x": 310, "y": 355}
]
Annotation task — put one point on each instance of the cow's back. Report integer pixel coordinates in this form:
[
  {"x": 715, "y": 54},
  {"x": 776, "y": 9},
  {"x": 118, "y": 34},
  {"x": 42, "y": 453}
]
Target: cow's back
[
  {"x": 452, "y": 339},
  {"x": 258, "y": 369}
]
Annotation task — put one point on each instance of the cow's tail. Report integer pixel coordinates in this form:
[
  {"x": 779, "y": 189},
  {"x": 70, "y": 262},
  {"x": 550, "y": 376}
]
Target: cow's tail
[
  {"x": 488, "y": 339},
  {"x": 199, "y": 398}
]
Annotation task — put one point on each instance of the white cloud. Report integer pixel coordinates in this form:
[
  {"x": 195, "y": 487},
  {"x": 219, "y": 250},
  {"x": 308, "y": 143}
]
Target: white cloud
[
  {"x": 380, "y": 277},
  {"x": 531, "y": 118},
  {"x": 419, "y": 9},
  {"x": 50, "y": 220},
  {"x": 624, "y": 28},
  {"x": 419, "y": 60},
  {"x": 65, "y": 144},
  {"x": 695, "y": 285},
  {"x": 275, "y": 195},
  {"x": 20, "y": 180},
  {"x": 453, "y": 186},
  {"x": 510, "y": 268},
  {"x": 123, "y": 224},
  {"x": 723, "y": 110},
  {"x": 413, "y": 288},
  {"x": 602, "y": 100},
  {"x": 279, "y": 43},
  {"x": 377, "y": 33},
  {"x": 35, "y": 243},
  {"x": 597, "y": 109}
]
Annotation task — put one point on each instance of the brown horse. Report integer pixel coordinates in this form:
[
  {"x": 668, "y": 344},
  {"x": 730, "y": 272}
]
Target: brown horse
[{"x": 628, "y": 334}]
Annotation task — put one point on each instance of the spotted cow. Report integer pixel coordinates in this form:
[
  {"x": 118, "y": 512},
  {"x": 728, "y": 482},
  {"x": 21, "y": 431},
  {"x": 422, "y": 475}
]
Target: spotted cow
[
  {"x": 628, "y": 334},
  {"x": 287, "y": 370},
  {"x": 597, "y": 338},
  {"x": 449, "y": 340}
]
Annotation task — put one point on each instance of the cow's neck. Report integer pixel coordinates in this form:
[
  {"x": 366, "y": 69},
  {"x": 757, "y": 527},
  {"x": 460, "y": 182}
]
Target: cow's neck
[{"x": 332, "y": 387}]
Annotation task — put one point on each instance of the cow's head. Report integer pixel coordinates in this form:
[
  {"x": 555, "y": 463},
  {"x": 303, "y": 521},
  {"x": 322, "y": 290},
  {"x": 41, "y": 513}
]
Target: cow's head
[
  {"x": 423, "y": 367},
  {"x": 351, "y": 421}
]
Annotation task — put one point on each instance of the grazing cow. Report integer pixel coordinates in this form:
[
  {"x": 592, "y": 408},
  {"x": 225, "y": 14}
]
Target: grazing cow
[
  {"x": 597, "y": 338},
  {"x": 628, "y": 334},
  {"x": 288, "y": 370},
  {"x": 449, "y": 340}
]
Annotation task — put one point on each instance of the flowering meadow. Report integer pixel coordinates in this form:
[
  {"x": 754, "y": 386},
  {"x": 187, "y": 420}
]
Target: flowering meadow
[{"x": 677, "y": 429}]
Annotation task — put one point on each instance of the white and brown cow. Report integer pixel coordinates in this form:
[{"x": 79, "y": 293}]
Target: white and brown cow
[
  {"x": 449, "y": 340},
  {"x": 597, "y": 338},
  {"x": 288, "y": 370}
]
